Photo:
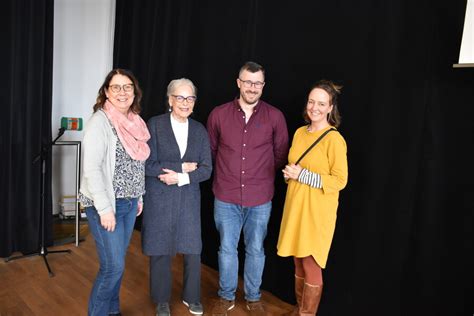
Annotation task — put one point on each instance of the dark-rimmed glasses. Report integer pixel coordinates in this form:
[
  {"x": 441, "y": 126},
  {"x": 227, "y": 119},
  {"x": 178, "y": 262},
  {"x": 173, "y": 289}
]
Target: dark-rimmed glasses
[
  {"x": 126, "y": 87},
  {"x": 249, "y": 84},
  {"x": 180, "y": 98}
]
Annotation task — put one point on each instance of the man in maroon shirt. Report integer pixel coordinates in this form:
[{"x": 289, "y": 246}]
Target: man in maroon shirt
[{"x": 249, "y": 142}]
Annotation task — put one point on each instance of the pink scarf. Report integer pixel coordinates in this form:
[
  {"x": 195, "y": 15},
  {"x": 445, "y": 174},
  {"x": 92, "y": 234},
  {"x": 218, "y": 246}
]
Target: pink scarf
[{"x": 131, "y": 131}]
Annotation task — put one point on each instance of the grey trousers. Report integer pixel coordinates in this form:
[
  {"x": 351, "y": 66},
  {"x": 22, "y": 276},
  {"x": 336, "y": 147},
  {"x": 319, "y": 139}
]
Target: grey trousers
[{"x": 161, "y": 278}]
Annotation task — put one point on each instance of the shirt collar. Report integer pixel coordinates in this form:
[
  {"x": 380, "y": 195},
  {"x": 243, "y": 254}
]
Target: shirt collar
[
  {"x": 175, "y": 122},
  {"x": 255, "y": 109}
]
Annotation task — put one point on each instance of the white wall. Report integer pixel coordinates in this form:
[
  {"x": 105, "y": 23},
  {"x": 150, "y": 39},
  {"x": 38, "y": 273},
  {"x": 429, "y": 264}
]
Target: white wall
[
  {"x": 83, "y": 54},
  {"x": 466, "y": 55}
]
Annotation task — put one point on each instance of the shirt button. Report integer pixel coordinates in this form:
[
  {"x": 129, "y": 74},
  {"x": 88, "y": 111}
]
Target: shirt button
[
  {"x": 243, "y": 116},
  {"x": 243, "y": 185},
  {"x": 243, "y": 171},
  {"x": 245, "y": 145},
  {"x": 243, "y": 158},
  {"x": 245, "y": 131}
]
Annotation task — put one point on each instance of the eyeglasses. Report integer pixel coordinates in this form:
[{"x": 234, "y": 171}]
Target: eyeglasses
[
  {"x": 180, "y": 98},
  {"x": 126, "y": 87},
  {"x": 248, "y": 84}
]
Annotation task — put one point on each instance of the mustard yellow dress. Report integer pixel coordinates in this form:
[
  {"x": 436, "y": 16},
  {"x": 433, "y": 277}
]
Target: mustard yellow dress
[{"x": 309, "y": 215}]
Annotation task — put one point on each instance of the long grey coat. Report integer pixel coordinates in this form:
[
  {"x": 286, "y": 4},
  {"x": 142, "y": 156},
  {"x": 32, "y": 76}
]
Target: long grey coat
[{"x": 172, "y": 215}]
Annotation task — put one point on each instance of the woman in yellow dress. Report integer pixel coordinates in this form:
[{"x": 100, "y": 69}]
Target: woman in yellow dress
[{"x": 309, "y": 215}]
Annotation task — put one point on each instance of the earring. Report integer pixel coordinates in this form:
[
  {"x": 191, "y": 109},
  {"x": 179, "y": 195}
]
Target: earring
[{"x": 170, "y": 109}]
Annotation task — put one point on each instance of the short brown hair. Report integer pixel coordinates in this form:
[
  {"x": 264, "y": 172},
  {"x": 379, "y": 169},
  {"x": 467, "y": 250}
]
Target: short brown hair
[{"x": 253, "y": 67}]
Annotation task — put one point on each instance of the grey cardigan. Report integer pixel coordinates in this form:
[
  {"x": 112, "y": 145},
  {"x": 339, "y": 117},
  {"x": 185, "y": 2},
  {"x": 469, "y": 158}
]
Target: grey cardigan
[
  {"x": 99, "y": 145},
  {"x": 172, "y": 215}
]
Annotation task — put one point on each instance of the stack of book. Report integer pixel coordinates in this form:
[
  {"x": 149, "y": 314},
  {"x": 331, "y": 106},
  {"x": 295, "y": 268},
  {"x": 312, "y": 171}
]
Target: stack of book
[{"x": 67, "y": 206}]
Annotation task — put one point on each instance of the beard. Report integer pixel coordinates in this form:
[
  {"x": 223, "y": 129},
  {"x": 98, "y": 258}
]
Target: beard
[{"x": 250, "y": 97}]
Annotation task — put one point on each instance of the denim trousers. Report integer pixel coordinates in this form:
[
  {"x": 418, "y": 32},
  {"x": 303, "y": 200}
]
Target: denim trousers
[
  {"x": 111, "y": 250},
  {"x": 231, "y": 220}
]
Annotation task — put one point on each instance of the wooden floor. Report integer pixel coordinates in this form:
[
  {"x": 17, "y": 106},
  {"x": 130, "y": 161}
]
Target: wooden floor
[{"x": 26, "y": 288}]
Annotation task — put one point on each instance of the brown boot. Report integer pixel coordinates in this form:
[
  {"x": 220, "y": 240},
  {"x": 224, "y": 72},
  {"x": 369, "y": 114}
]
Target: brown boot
[
  {"x": 310, "y": 300},
  {"x": 299, "y": 285}
]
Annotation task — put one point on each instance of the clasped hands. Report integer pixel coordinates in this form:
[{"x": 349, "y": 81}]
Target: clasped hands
[
  {"x": 291, "y": 171},
  {"x": 170, "y": 177}
]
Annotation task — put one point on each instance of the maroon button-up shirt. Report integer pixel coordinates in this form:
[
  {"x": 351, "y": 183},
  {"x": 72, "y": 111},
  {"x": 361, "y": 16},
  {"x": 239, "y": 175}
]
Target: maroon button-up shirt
[{"x": 246, "y": 155}]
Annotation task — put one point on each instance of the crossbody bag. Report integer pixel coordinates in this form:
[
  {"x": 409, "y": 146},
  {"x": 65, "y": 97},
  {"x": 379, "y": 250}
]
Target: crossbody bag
[{"x": 314, "y": 144}]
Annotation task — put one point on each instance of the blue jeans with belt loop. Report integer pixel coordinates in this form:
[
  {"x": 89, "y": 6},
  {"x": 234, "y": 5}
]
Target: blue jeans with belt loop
[
  {"x": 230, "y": 220},
  {"x": 111, "y": 250}
]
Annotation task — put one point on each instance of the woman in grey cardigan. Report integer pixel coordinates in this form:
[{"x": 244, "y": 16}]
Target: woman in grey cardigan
[
  {"x": 180, "y": 159},
  {"x": 113, "y": 182}
]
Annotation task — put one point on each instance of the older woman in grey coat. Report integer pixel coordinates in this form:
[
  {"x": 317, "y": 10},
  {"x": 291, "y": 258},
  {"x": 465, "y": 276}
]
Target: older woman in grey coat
[{"x": 180, "y": 159}]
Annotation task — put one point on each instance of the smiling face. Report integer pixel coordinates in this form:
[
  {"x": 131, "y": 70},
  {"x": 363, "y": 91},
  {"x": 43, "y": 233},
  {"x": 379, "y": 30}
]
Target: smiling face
[
  {"x": 318, "y": 107},
  {"x": 181, "y": 105},
  {"x": 250, "y": 95},
  {"x": 119, "y": 93}
]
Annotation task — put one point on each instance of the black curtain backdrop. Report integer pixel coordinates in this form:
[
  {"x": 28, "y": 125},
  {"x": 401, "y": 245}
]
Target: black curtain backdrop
[
  {"x": 403, "y": 243},
  {"x": 25, "y": 98}
]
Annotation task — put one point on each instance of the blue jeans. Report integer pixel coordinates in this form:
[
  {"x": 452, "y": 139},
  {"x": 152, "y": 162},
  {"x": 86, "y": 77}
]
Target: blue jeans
[
  {"x": 230, "y": 220},
  {"x": 111, "y": 249}
]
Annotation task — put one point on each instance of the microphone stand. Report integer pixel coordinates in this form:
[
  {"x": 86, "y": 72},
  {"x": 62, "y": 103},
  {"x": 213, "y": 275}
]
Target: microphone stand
[{"x": 43, "y": 250}]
